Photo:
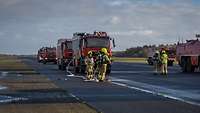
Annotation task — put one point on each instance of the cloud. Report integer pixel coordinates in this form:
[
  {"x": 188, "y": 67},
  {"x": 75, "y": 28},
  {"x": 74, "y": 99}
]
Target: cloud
[
  {"x": 115, "y": 20},
  {"x": 8, "y": 3},
  {"x": 36, "y": 23},
  {"x": 117, "y": 3},
  {"x": 135, "y": 32}
]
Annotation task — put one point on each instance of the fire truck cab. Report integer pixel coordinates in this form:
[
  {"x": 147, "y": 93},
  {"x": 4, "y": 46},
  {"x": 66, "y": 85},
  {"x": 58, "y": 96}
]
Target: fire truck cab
[
  {"x": 82, "y": 43},
  {"x": 47, "y": 54}
]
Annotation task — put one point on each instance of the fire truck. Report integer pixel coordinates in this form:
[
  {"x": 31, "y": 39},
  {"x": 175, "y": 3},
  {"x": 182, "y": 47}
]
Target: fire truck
[
  {"x": 82, "y": 43},
  {"x": 63, "y": 53},
  {"x": 188, "y": 55},
  {"x": 47, "y": 54},
  {"x": 171, "y": 52}
]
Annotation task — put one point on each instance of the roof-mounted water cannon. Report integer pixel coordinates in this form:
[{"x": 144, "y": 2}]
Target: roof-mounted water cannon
[
  {"x": 100, "y": 33},
  {"x": 80, "y": 34}
]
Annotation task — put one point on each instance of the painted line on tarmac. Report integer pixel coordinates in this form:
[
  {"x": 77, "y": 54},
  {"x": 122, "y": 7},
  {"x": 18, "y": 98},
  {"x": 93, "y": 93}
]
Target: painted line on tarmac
[
  {"x": 76, "y": 76},
  {"x": 7, "y": 99},
  {"x": 2, "y": 87},
  {"x": 4, "y": 73},
  {"x": 146, "y": 90},
  {"x": 138, "y": 72},
  {"x": 155, "y": 92}
]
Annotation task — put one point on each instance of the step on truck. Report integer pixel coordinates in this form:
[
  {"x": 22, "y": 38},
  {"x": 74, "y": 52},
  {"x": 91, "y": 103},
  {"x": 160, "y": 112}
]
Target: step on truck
[
  {"x": 188, "y": 55},
  {"x": 63, "y": 53},
  {"x": 82, "y": 43},
  {"x": 47, "y": 54}
]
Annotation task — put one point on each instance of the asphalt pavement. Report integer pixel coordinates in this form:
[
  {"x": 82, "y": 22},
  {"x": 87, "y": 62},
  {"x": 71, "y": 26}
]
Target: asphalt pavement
[{"x": 133, "y": 88}]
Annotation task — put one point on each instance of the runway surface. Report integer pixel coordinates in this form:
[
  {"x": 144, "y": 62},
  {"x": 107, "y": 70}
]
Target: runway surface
[{"x": 133, "y": 88}]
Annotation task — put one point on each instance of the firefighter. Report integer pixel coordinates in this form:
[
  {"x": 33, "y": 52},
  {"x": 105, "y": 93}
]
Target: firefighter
[
  {"x": 89, "y": 66},
  {"x": 103, "y": 61},
  {"x": 164, "y": 60},
  {"x": 98, "y": 56},
  {"x": 156, "y": 62}
]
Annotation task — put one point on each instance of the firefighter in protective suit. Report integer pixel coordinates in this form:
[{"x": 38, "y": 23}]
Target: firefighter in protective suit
[
  {"x": 89, "y": 66},
  {"x": 103, "y": 61},
  {"x": 156, "y": 62},
  {"x": 164, "y": 61}
]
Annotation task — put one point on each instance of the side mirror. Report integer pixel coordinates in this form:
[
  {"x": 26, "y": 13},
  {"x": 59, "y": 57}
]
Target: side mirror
[{"x": 113, "y": 41}]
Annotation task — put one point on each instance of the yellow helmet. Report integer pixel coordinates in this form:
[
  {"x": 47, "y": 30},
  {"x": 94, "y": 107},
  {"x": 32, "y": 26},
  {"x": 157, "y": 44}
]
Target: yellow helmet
[
  {"x": 157, "y": 52},
  {"x": 89, "y": 53},
  {"x": 163, "y": 52},
  {"x": 104, "y": 50}
]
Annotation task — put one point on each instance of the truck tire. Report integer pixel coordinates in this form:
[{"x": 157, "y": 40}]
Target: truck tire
[
  {"x": 170, "y": 63},
  {"x": 83, "y": 69},
  {"x": 76, "y": 69},
  {"x": 108, "y": 69},
  {"x": 150, "y": 61},
  {"x": 189, "y": 67},
  {"x": 63, "y": 67},
  {"x": 44, "y": 62},
  {"x": 55, "y": 62},
  {"x": 184, "y": 64},
  {"x": 59, "y": 67}
]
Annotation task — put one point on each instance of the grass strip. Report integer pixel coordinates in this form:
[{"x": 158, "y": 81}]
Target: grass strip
[{"x": 127, "y": 59}]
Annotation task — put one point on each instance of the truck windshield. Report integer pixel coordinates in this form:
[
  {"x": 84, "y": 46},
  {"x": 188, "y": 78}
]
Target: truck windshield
[
  {"x": 171, "y": 53},
  {"x": 51, "y": 50},
  {"x": 69, "y": 45},
  {"x": 97, "y": 42}
]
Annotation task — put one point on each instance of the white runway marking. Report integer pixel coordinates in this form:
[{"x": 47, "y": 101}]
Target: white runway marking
[
  {"x": 6, "y": 99},
  {"x": 2, "y": 87},
  {"x": 184, "y": 96},
  {"x": 4, "y": 73},
  {"x": 131, "y": 71}
]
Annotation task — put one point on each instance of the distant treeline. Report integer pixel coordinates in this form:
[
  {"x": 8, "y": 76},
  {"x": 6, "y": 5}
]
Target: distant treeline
[{"x": 141, "y": 51}]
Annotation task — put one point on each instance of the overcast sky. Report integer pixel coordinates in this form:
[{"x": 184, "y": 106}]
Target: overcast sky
[{"x": 26, "y": 25}]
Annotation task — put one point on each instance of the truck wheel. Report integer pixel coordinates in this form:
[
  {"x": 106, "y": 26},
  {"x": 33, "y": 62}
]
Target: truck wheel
[
  {"x": 189, "y": 67},
  {"x": 108, "y": 71},
  {"x": 59, "y": 67},
  {"x": 63, "y": 67},
  {"x": 77, "y": 70},
  {"x": 44, "y": 62},
  {"x": 184, "y": 64},
  {"x": 170, "y": 63},
  {"x": 82, "y": 69},
  {"x": 192, "y": 68}
]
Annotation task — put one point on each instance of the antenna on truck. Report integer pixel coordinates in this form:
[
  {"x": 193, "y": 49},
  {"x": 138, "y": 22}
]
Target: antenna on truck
[{"x": 198, "y": 36}]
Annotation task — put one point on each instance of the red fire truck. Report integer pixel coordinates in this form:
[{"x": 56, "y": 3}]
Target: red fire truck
[
  {"x": 188, "y": 55},
  {"x": 171, "y": 52},
  {"x": 82, "y": 43},
  {"x": 47, "y": 54},
  {"x": 63, "y": 53}
]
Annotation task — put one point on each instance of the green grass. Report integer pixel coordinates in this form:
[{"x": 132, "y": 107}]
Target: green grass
[
  {"x": 126, "y": 59},
  {"x": 12, "y": 63}
]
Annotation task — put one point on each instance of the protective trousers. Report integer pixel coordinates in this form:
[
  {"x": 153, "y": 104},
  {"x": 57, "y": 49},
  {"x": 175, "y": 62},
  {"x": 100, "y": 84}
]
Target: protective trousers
[
  {"x": 102, "y": 72},
  {"x": 164, "y": 68},
  {"x": 156, "y": 67},
  {"x": 90, "y": 71}
]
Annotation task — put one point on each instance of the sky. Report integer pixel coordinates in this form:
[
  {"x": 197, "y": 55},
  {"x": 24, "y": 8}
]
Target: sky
[{"x": 27, "y": 25}]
